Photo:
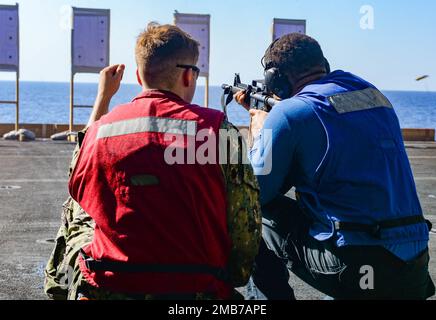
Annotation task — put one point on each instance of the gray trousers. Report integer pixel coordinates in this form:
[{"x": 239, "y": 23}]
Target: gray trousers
[{"x": 353, "y": 272}]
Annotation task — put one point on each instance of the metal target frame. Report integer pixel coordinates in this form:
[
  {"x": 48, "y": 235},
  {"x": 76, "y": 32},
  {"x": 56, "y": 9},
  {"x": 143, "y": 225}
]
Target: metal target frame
[{"x": 14, "y": 68}]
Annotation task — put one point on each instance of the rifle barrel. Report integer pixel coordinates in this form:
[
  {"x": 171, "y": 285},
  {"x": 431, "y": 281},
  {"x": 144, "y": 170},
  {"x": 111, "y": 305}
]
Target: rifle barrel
[{"x": 268, "y": 101}]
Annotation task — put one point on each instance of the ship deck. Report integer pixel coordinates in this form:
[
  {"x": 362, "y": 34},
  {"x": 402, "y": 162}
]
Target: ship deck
[{"x": 33, "y": 186}]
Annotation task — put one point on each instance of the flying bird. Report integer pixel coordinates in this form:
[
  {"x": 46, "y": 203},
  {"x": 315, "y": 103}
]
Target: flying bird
[{"x": 422, "y": 78}]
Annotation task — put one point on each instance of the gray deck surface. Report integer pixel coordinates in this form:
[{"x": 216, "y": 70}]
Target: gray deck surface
[{"x": 30, "y": 214}]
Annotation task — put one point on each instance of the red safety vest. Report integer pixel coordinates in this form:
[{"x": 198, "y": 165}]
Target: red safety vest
[{"x": 160, "y": 228}]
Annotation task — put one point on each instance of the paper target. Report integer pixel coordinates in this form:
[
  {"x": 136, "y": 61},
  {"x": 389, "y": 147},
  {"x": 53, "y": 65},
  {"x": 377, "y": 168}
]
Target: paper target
[
  {"x": 90, "y": 40},
  {"x": 9, "y": 38},
  {"x": 198, "y": 26},
  {"x": 282, "y": 27}
]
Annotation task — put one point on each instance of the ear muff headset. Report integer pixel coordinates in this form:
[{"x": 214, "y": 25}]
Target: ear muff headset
[{"x": 277, "y": 82}]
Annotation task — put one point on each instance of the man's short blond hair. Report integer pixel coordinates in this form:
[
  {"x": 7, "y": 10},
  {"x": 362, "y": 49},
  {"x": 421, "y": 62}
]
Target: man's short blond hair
[{"x": 159, "y": 49}]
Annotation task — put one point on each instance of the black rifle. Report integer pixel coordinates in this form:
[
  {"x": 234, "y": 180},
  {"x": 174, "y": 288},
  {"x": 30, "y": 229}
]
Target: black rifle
[{"x": 257, "y": 95}]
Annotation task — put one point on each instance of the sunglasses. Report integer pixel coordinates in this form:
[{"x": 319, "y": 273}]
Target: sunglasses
[{"x": 188, "y": 66}]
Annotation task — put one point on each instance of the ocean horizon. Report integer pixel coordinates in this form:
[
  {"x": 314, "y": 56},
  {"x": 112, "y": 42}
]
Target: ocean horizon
[{"x": 48, "y": 103}]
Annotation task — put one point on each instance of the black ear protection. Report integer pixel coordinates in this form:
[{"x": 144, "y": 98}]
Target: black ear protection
[{"x": 278, "y": 83}]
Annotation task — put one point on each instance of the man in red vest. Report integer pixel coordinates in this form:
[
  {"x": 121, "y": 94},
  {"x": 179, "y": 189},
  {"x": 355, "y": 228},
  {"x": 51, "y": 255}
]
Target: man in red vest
[{"x": 157, "y": 211}]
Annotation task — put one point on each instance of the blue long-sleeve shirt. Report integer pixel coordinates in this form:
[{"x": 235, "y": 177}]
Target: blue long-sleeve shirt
[{"x": 288, "y": 152}]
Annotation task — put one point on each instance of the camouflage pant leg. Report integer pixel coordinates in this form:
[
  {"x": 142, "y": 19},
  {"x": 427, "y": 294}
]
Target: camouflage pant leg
[
  {"x": 62, "y": 271},
  {"x": 63, "y": 279}
]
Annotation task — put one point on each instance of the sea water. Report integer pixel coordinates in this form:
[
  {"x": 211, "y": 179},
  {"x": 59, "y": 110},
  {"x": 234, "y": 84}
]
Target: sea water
[{"x": 48, "y": 102}]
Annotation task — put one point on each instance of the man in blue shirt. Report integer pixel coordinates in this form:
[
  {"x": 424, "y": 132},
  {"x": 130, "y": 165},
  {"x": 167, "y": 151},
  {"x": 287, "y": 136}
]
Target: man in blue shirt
[{"x": 356, "y": 230}]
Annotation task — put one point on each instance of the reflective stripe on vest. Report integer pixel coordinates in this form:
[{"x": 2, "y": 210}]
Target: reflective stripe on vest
[
  {"x": 147, "y": 124},
  {"x": 359, "y": 100}
]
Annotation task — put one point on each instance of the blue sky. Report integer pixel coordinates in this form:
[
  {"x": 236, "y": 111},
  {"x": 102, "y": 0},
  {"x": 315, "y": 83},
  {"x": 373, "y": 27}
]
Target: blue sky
[{"x": 401, "y": 46}]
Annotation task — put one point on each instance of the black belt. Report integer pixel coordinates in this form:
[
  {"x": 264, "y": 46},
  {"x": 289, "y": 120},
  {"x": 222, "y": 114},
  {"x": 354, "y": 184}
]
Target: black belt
[
  {"x": 375, "y": 229},
  {"x": 113, "y": 266}
]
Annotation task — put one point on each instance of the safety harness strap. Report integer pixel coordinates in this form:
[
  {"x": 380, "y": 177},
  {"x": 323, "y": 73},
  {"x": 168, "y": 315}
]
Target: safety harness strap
[
  {"x": 376, "y": 229},
  {"x": 113, "y": 266}
]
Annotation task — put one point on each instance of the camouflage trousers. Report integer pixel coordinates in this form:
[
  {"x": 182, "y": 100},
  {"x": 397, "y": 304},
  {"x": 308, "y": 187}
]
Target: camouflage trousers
[
  {"x": 62, "y": 273},
  {"x": 63, "y": 278}
]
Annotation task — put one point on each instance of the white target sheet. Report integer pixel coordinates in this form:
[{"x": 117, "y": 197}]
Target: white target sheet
[
  {"x": 282, "y": 27},
  {"x": 198, "y": 27},
  {"x": 9, "y": 38},
  {"x": 90, "y": 40}
]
